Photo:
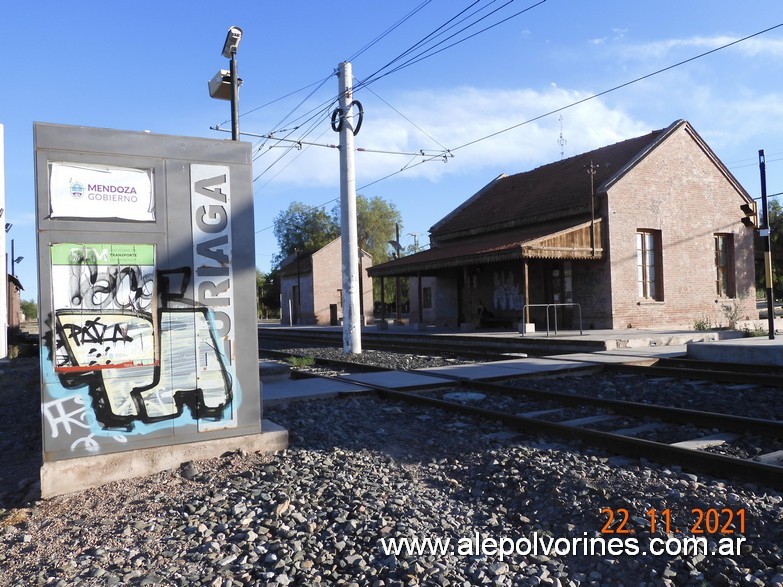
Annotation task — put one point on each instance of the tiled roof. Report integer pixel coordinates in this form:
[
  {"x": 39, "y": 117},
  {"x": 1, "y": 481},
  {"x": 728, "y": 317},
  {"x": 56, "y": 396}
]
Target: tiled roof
[{"x": 556, "y": 190}]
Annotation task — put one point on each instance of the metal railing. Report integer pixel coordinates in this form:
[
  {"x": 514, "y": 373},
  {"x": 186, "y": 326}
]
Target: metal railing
[{"x": 554, "y": 306}]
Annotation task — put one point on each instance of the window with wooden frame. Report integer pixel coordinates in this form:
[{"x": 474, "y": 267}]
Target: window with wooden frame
[
  {"x": 724, "y": 265},
  {"x": 649, "y": 275}
]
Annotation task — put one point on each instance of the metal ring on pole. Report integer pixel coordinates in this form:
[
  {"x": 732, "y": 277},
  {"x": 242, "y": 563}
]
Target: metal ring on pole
[
  {"x": 337, "y": 113},
  {"x": 338, "y": 117},
  {"x": 361, "y": 115}
]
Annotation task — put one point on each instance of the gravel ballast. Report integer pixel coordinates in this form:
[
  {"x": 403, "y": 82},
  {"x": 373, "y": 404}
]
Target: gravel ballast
[{"x": 362, "y": 470}]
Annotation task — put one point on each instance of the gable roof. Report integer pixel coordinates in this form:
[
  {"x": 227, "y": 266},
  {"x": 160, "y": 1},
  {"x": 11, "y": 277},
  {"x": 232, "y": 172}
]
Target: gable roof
[
  {"x": 543, "y": 213},
  {"x": 553, "y": 191}
]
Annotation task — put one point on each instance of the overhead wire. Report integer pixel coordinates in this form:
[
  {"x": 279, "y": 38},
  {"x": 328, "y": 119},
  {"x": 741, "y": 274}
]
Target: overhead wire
[
  {"x": 423, "y": 55},
  {"x": 422, "y": 40},
  {"x": 618, "y": 87},
  {"x": 321, "y": 82},
  {"x": 408, "y": 119},
  {"x": 582, "y": 101},
  {"x": 389, "y": 30},
  {"x": 429, "y": 52}
]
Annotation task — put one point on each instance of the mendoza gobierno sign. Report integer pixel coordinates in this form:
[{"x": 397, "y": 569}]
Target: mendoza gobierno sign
[{"x": 94, "y": 191}]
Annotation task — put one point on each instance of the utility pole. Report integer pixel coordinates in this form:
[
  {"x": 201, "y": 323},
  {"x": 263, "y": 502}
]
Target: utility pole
[
  {"x": 764, "y": 234},
  {"x": 591, "y": 169},
  {"x": 342, "y": 122},
  {"x": 397, "y": 278}
]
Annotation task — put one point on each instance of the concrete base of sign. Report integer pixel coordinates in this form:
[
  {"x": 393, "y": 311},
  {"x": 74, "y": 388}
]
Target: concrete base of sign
[
  {"x": 72, "y": 475},
  {"x": 527, "y": 328}
]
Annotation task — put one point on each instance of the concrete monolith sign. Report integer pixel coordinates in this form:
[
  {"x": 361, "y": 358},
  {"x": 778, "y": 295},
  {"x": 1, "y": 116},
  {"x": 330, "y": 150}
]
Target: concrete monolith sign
[{"x": 148, "y": 310}]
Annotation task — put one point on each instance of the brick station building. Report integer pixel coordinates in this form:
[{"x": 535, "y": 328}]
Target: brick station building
[
  {"x": 311, "y": 286},
  {"x": 647, "y": 232}
]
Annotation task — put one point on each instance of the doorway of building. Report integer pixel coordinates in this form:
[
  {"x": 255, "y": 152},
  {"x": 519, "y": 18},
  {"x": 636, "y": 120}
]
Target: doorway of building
[{"x": 558, "y": 289}]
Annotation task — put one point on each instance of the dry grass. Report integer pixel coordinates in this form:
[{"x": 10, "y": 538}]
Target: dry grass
[{"x": 13, "y": 517}]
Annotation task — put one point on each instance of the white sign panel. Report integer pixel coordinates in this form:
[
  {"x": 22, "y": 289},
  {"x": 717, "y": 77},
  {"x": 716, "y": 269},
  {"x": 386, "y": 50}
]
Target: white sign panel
[{"x": 95, "y": 191}]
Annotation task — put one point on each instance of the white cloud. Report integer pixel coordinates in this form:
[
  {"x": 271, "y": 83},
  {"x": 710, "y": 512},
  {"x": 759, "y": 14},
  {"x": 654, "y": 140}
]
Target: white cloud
[
  {"x": 456, "y": 118},
  {"x": 751, "y": 47}
]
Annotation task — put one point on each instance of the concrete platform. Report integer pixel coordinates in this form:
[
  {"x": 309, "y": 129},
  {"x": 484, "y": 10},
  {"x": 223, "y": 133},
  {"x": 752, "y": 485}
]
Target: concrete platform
[
  {"x": 71, "y": 475},
  {"x": 752, "y": 350}
]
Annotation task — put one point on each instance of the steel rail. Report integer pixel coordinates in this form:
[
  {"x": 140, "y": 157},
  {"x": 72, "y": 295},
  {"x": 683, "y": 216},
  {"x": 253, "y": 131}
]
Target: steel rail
[
  {"x": 720, "y": 366},
  {"x": 729, "y": 422},
  {"x": 767, "y": 380},
  {"x": 720, "y": 465},
  {"x": 744, "y": 424}
]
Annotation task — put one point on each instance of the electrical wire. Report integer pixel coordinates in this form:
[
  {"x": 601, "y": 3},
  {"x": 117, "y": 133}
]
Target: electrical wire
[
  {"x": 408, "y": 119},
  {"x": 618, "y": 87},
  {"x": 323, "y": 81},
  {"x": 422, "y": 41},
  {"x": 423, "y": 55},
  {"x": 389, "y": 30}
]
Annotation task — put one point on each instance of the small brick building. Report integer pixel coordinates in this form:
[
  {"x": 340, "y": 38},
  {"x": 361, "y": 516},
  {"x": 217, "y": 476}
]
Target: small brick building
[
  {"x": 647, "y": 232},
  {"x": 311, "y": 286}
]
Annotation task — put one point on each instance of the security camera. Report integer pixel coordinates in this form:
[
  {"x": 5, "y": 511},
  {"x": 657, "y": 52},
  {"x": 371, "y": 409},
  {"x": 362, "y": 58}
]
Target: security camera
[{"x": 232, "y": 41}]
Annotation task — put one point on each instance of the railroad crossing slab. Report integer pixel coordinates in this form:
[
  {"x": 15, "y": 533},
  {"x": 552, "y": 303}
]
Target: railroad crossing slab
[
  {"x": 395, "y": 379},
  {"x": 497, "y": 369},
  {"x": 635, "y": 356},
  {"x": 309, "y": 388}
]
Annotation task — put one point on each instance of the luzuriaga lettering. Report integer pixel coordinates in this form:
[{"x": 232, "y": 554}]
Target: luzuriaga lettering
[{"x": 213, "y": 255}]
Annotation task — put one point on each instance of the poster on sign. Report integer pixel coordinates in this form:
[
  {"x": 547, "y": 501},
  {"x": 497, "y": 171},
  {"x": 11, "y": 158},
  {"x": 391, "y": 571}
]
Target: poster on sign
[{"x": 94, "y": 191}]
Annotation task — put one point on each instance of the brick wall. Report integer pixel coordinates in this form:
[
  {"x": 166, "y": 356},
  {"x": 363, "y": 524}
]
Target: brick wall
[
  {"x": 680, "y": 191},
  {"x": 328, "y": 280}
]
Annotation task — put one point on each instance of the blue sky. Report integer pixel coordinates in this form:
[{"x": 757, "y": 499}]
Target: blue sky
[{"x": 145, "y": 66}]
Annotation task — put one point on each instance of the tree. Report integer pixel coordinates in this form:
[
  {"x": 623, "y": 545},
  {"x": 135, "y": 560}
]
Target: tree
[
  {"x": 375, "y": 227},
  {"x": 268, "y": 294},
  {"x": 29, "y": 309},
  {"x": 307, "y": 229},
  {"x": 303, "y": 228}
]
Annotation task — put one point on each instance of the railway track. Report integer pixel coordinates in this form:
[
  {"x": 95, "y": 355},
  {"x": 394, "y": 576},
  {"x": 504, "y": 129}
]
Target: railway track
[
  {"x": 711, "y": 442},
  {"x": 477, "y": 345},
  {"x": 769, "y": 376}
]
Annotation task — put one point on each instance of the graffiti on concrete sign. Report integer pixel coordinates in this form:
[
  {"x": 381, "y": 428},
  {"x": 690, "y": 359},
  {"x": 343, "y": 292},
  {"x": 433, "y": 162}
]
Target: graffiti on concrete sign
[{"x": 137, "y": 351}]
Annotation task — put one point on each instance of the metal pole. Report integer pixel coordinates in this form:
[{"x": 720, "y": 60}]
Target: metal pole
[
  {"x": 13, "y": 258},
  {"x": 383, "y": 301},
  {"x": 397, "y": 279},
  {"x": 421, "y": 302},
  {"x": 352, "y": 339},
  {"x": 298, "y": 290},
  {"x": 591, "y": 171},
  {"x": 234, "y": 97},
  {"x": 764, "y": 233}
]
